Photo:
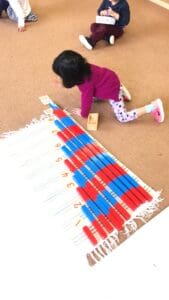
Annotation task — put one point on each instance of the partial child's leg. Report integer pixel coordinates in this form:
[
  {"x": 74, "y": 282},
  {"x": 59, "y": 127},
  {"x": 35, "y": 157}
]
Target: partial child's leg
[
  {"x": 155, "y": 108},
  {"x": 121, "y": 113},
  {"x": 98, "y": 33},
  {"x": 113, "y": 32},
  {"x": 124, "y": 93}
]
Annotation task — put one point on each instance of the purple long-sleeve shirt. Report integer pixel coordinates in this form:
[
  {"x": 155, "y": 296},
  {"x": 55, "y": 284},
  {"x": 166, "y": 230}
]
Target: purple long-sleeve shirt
[{"x": 103, "y": 84}]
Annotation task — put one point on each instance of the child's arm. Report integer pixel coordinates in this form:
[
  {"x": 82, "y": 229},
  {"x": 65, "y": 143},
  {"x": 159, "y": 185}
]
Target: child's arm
[
  {"x": 113, "y": 14},
  {"x": 102, "y": 10},
  {"x": 17, "y": 8},
  {"x": 87, "y": 93},
  {"x": 86, "y": 101},
  {"x": 123, "y": 16}
]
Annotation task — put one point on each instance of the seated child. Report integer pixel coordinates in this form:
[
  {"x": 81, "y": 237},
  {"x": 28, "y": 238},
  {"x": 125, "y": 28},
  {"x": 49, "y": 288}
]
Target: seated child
[{"x": 119, "y": 10}]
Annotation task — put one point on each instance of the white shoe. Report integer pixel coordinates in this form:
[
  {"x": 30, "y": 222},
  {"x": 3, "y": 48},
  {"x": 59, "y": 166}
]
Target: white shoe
[
  {"x": 125, "y": 93},
  {"x": 111, "y": 40},
  {"x": 85, "y": 42}
]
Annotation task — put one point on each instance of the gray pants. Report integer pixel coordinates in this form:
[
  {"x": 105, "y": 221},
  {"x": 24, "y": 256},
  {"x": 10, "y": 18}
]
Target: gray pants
[{"x": 11, "y": 14}]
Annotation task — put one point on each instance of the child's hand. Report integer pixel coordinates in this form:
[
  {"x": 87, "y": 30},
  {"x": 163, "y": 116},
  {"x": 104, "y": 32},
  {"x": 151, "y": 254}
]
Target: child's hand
[
  {"x": 104, "y": 13},
  {"x": 113, "y": 14},
  {"x": 76, "y": 111},
  {"x": 21, "y": 28}
]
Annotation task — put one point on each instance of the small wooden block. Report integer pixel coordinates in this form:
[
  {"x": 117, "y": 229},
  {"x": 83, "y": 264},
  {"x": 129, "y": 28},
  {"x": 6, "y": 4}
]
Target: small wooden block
[
  {"x": 92, "y": 121},
  {"x": 45, "y": 99}
]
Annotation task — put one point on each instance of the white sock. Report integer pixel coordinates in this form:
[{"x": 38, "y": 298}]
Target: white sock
[{"x": 149, "y": 108}]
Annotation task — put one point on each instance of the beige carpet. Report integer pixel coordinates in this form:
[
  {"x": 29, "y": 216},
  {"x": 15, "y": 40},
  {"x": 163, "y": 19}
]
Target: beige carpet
[{"x": 141, "y": 59}]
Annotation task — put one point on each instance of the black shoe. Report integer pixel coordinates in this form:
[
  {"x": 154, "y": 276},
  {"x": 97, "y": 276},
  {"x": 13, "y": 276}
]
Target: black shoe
[
  {"x": 110, "y": 39},
  {"x": 85, "y": 41}
]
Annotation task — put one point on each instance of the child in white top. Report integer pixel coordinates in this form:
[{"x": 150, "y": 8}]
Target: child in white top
[{"x": 20, "y": 12}]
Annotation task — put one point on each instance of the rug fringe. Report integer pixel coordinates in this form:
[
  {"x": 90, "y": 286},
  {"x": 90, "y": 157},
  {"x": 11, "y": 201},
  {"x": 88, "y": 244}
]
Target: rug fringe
[{"x": 143, "y": 213}]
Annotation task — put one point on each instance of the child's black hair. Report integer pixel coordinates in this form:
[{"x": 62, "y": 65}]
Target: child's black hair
[{"x": 71, "y": 67}]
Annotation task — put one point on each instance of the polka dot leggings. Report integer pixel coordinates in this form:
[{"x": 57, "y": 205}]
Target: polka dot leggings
[{"x": 120, "y": 111}]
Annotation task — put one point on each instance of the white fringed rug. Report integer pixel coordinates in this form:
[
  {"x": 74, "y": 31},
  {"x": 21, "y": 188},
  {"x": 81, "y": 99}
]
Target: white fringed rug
[
  {"x": 37, "y": 259},
  {"x": 35, "y": 154}
]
